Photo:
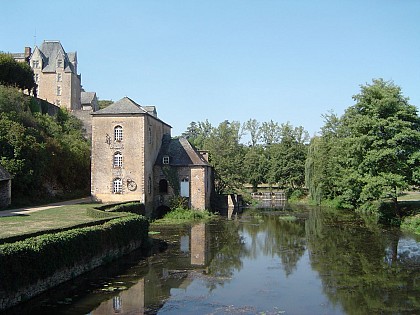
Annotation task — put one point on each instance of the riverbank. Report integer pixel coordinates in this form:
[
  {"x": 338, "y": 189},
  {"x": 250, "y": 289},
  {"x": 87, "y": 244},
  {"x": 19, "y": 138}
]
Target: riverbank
[{"x": 27, "y": 267}]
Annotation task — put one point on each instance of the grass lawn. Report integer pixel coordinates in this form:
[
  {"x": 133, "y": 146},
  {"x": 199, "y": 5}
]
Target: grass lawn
[
  {"x": 49, "y": 219},
  {"x": 410, "y": 196}
]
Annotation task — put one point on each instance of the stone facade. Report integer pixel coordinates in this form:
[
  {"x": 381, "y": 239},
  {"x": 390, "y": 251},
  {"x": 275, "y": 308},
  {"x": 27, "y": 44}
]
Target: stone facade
[
  {"x": 56, "y": 75},
  {"x": 132, "y": 151}
]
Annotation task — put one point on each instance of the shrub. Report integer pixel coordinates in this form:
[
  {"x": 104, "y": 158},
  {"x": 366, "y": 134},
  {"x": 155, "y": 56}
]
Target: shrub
[
  {"x": 411, "y": 224},
  {"x": 25, "y": 262}
]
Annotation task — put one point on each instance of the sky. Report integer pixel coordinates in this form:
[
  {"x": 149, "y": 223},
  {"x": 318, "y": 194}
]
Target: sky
[{"x": 286, "y": 61}]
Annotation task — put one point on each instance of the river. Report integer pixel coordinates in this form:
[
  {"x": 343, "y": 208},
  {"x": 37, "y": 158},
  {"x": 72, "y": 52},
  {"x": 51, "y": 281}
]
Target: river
[{"x": 301, "y": 261}]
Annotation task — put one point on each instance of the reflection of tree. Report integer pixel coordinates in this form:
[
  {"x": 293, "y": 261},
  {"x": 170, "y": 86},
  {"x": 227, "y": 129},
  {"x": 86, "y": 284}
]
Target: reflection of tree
[
  {"x": 361, "y": 269},
  {"x": 277, "y": 237},
  {"x": 227, "y": 249}
]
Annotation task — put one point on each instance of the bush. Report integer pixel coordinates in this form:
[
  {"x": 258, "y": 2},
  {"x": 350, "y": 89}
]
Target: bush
[
  {"x": 180, "y": 215},
  {"x": 24, "y": 262},
  {"x": 411, "y": 224}
]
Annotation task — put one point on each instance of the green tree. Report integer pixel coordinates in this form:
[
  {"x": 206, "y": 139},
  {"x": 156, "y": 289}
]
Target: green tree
[
  {"x": 254, "y": 128},
  {"x": 255, "y": 166},
  {"x": 373, "y": 151},
  {"x": 17, "y": 74},
  {"x": 226, "y": 156},
  {"x": 287, "y": 158}
]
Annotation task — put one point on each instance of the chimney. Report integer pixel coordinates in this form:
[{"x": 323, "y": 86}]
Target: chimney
[{"x": 204, "y": 154}]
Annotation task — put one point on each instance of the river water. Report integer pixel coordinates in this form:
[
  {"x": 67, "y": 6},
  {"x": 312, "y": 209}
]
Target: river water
[{"x": 302, "y": 261}]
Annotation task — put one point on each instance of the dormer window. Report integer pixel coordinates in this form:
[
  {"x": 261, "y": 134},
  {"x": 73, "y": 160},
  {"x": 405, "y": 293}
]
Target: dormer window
[
  {"x": 59, "y": 63},
  {"x": 35, "y": 64},
  {"x": 165, "y": 159}
]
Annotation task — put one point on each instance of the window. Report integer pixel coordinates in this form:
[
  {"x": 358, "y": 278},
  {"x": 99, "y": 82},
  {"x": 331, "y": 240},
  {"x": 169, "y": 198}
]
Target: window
[
  {"x": 58, "y": 102},
  {"x": 58, "y": 90},
  {"x": 118, "y": 133},
  {"x": 118, "y": 159},
  {"x": 163, "y": 186},
  {"x": 59, "y": 63},
  {"x": 185, "y": 187},
  {"x": 59, "y": 77},
  {"x": 117, "y": 186},
  {"x": 165, "y": 159},
  {"x": 36, "y": 78},
  {"x": 35, "y": 64}
]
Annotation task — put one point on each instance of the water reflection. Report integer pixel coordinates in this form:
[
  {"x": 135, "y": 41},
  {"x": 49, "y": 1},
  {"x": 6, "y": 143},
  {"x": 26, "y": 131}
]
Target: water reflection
[{"x": 309, "y": 262}]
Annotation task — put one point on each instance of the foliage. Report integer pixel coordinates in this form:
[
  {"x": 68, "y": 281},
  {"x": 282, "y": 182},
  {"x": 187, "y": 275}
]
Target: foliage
[
  {"x": 183, "y": 215},
  {"x": 368, "y": 154},
  {"x": 178, "y": 202},
  {"x": 131, "y": 207},
  {"x": 34, "y": 148},
  {"x": 104, "y": 103},
  {"x": 25, "y": 262},
  {"x": 411, "y": 224},
  {"x": 16, "y": 74}
]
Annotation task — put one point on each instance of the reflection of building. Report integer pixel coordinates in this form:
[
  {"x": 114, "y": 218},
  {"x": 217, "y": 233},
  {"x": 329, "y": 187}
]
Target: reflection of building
[
  {"x": 199, "y": 245},
  {"x": 129, "y": 301},
  {"x": 134, "y": 158}
]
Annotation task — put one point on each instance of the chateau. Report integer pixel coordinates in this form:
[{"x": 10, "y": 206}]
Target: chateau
[
  {"x": 56, "y": 75},
  {"x": 134, "y": 158},
  {"x": 133, "y": 155}
]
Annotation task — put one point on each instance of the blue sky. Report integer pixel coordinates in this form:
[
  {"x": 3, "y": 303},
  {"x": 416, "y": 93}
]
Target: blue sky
[{"x": 286, "y": 61}]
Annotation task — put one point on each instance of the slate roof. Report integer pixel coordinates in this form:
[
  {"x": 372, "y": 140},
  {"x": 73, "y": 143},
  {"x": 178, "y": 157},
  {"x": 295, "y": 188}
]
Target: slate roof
[
  {"x": 87, "y": 97},
  {"x": 4, "y": 175},
  {"x": 180, "y": 152},
  {"x": 123, "y": 106},
  {"x": 50, "y": 51}
]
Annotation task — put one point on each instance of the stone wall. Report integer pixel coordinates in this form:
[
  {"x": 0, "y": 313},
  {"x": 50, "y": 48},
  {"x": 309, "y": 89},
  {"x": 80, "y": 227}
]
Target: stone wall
[
  {"x": 5, "y": 193},
  {"x": 9, "y": 299}
]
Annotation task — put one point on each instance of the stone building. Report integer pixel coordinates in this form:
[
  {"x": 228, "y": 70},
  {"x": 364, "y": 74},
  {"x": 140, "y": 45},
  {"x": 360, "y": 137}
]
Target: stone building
[
  {"x": 89, "y": 101},
  {"x": 5, "y": 188},
  {"x": 56, "y": 75},
  {"x": 135, "y": 159}
]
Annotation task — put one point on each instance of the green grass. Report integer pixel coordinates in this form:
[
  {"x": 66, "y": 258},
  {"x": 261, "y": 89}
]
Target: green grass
[
  {"x": 289, "y": 218},
  {"x": 49, "y": 219},
  {"x": 180, "y": 216},
  {"x": 410, "y": 196}
]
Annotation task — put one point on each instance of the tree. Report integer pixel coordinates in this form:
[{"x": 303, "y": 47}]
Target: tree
[
  {"x": 16, "y": 74},
  {"x": 287, "y": 158},
  {"x": 270, "y": 132},
  {"x": 226, "y": 156},
  {"x": 254, "y": 129},
  {"x": 255, "y": 166},
  {"x": 373, "y": 150}
]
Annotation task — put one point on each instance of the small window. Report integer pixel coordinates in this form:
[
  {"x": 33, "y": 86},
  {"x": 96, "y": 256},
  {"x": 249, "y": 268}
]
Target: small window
[
  {"x": 36, "y": 78},
  {"x": 59, "y": 63},
  {"x": 58, "y": 90},
  {"x": 118, "y": 133},
  {"x": 118, "y": 160},
  {"x": 59, "y": 77},
  {"x": 35, "y": 64},
  {"x": 163, "y": 186},
  {"x": 165, "y": 159},
  {"x": 117, "y": 189},
  {"x": 58, "y": 102}
]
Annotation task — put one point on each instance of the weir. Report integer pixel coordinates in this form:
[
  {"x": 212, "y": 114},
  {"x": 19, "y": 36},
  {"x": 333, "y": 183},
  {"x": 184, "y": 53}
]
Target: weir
[{"x": 276, "y": 200}]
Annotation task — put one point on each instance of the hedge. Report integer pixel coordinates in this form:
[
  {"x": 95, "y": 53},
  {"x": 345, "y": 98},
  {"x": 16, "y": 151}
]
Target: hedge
[
  {"x": 24, "y": 262},
  {"x": 132, "y": 207}
]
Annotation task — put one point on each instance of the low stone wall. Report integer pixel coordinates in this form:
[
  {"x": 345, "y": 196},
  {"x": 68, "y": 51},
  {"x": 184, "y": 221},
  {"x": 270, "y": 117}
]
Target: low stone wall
[{"x": 9, "y": 299}]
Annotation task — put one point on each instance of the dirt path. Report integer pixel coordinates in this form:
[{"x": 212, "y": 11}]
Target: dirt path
[{"x": 26, "y": 210}]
